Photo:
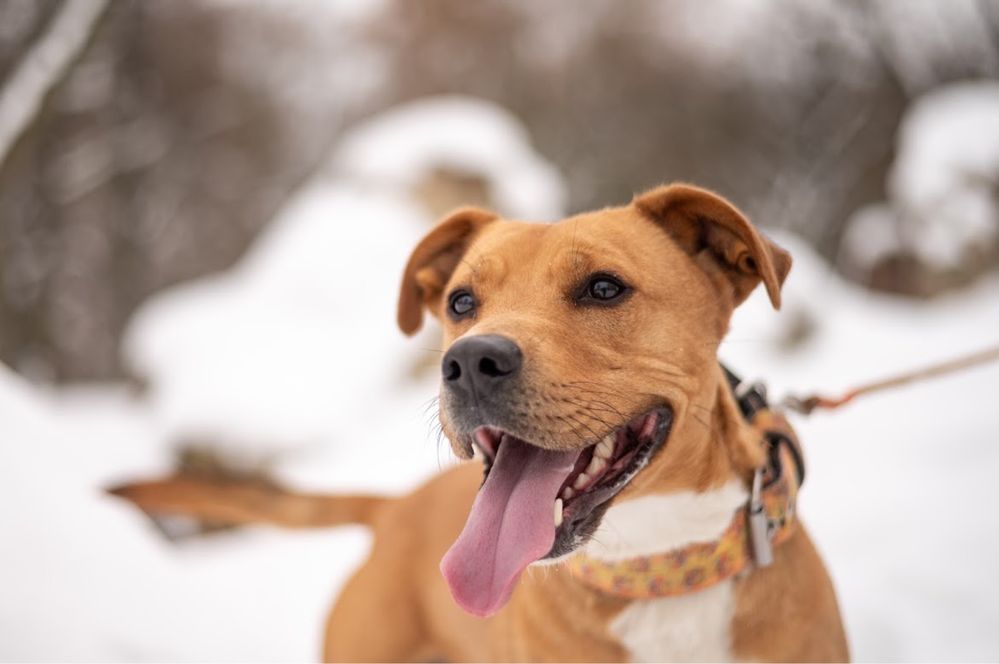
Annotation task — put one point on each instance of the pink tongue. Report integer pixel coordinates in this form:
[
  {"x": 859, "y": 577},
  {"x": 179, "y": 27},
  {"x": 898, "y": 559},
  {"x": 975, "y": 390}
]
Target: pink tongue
[{"x": 510, "y": 526}]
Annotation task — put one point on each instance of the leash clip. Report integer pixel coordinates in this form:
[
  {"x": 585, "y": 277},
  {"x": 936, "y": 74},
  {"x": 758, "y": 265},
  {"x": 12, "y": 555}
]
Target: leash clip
[{"x": 759, "y": 527}]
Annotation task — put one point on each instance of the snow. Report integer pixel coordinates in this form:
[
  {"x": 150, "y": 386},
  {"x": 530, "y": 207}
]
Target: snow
[
  {"x": 279, "y": 352},
  {"x": 275, "y": 356},
  {"x": 941, "y": 188},
  {"x": 85, "y": 578},
  {"x": 460, "y": 133},
  {"x": 292, "y": 358},
  {"x": 900, "y": 485},
  {"x": 947, "y": 168}
]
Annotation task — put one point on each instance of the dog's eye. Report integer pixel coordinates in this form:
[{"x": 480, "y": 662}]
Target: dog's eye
[
  {"x": 461, "y": 303},
  {"x": 603, "y": 288}
]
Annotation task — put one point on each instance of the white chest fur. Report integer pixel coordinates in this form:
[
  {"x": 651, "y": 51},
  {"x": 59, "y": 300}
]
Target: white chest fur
[
  {"x": 660, "y": 523},
  {"x": 694, "y": 627},
  {"x": 689, "y": 628}
]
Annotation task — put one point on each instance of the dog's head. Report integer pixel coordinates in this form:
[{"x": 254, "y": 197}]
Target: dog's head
[{"x": 577, "y": 353}]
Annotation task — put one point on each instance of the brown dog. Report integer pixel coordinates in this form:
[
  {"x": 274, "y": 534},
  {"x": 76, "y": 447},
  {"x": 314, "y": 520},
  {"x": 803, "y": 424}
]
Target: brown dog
[{"x": 581, "y": 364}]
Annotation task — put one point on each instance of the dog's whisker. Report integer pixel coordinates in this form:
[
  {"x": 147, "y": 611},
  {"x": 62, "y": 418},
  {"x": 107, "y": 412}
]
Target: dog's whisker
[
  {"x": 587, "y": 395},
  {"x": 590, "y": 415},
  {"x": 596, "y": 437},
  {"x": 573, "y": 428},
  {"x": 701, "y": 422},
  {"x": 431, "y": 406},
  {"x": 596, "y": 406}
]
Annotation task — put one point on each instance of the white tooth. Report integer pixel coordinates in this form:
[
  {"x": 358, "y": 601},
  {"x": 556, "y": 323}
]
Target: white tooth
[
  {"x": 558, "y": 512},
  {"x": 596, "y": 465},
  {"x": 606, "y": 447},
  {"x": 568, "y": 493},
  {"x": 581, "y": 480}
]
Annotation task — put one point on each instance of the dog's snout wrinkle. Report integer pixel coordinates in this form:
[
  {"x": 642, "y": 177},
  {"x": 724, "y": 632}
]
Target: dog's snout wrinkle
[{"x": 481, "y": 363}]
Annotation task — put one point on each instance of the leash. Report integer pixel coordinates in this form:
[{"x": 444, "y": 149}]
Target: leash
[
  {"x": 807, "y": 405},
  {"x": 782, "y": 444}
]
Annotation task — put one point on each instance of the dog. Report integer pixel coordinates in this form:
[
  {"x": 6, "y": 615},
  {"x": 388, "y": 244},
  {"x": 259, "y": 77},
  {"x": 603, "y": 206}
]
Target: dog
[{"x": 580, "y": 379}]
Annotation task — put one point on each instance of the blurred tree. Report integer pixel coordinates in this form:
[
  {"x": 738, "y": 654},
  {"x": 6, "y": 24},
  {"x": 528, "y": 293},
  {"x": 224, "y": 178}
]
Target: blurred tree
[
  {"x": 183, "y": 125},
  {"x": 789, "y": 108},
  {"x": 149, "y": 163}
]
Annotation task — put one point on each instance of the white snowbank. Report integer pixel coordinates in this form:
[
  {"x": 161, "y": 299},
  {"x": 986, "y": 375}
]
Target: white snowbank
[
  {"x": 86, "y": 578},
  {"x": 280, "y": 352},
  {"x": 942, "y": 187},
  {"x": 461, "y": 133},
  {"x": 284, "y": 353}
]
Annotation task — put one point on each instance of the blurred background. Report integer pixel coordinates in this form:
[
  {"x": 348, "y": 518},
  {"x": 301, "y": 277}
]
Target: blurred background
[{"x": 205, "y": 207}]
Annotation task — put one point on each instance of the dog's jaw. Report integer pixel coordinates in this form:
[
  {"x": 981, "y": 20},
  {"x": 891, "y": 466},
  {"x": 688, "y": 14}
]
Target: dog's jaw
[
  {"x": 602, "y": 469},
  {"x": 596, "y": 481},
  {"x": 539, "y": 503}
]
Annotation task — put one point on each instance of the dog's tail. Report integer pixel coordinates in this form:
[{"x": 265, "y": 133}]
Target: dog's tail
[{"x": 237, "y": 502}]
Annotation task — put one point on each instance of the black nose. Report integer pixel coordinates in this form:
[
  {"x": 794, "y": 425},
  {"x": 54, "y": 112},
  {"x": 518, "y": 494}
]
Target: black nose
[{"x": 481, "y": 363}]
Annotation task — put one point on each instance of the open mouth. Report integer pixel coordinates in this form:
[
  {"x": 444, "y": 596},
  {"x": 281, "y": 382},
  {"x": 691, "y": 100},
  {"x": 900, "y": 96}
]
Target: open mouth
[{"x": 537, "y": 503}]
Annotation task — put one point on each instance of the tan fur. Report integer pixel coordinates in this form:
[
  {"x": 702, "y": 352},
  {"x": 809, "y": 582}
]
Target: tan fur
[{"x": 691, "y": 258}]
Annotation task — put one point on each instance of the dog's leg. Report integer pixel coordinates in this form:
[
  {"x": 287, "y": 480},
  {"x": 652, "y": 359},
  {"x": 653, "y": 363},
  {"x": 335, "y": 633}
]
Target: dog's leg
[
  {"x": 397, "y": 607},
  {"x": 377, "y": 617},
  {"x": 801, "y": 621}
]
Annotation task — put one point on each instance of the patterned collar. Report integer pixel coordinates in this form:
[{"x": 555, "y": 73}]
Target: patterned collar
[{"x": 766, "y": 521}]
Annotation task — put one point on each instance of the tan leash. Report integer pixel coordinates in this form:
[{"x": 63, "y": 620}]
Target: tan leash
[{"x": 806, "y": 406}]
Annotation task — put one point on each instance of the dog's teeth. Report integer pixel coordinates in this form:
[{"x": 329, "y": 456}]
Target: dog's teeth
[
  {"x": 558, "y": 512},
  {"x": 606, "y": 447},
  {"x": 581, "y": 480},
  {"x": 568, "y": 493},
  {"x": 596, "y": 465}
]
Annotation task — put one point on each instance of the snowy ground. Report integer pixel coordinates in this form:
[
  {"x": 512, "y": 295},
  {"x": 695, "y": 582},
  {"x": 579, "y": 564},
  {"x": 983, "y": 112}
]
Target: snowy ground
[
  {"x": 265, "y": 361},
  {"x": 900, "y": 484}
]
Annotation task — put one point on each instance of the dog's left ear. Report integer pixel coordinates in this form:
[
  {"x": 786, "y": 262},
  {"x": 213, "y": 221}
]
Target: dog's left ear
[
  {"x": 700, "y": 220},
  {"x": 432, "y": 262}
]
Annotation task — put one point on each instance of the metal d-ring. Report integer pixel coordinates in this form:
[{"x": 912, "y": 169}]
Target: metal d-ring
[{"x": 759, "y": 526}]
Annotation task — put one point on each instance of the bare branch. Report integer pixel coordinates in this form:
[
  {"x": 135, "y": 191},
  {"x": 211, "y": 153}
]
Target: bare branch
[{"x": 43, "y": 66}]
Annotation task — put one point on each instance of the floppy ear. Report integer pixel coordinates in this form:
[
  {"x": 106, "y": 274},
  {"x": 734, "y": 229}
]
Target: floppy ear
[
  {"x": 700, "y": 220},
  {"x": 432, "y": 262}
]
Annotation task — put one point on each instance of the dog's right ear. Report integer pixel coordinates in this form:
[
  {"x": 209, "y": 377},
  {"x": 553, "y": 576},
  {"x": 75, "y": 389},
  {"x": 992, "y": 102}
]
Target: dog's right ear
[
  {"x": 432, "y": 262},
  {"x": 701, "y": 220}
]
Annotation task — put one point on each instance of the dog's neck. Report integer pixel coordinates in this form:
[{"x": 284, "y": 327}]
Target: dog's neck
[
  {"x": 698, "y": 512},
  {"x": 661, "y": 523},
  {"x": 673, "y": 543},
  {"x": 719, "y": 451}
]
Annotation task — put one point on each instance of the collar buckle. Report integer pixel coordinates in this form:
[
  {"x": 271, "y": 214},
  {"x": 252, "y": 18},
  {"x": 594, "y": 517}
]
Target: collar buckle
[{"x": 759, "y": 525}]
